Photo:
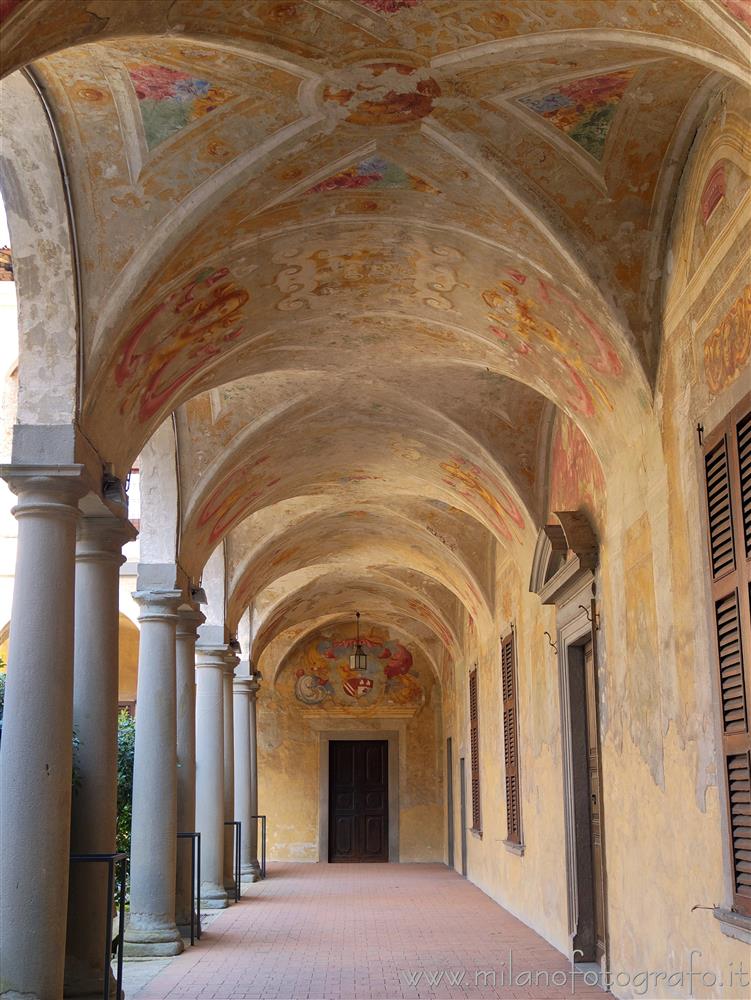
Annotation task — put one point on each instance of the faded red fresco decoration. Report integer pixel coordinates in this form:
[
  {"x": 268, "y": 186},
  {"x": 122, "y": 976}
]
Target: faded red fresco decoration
[
  {"x": 231, "y": 500},
  {"x": 177, "y": 338},
  {"x": 384, "y": 93},
  {"x": 515, "y": 318},
  {"x": 576, "y": 477},
  {"x": 714, "y": 190},
  {"x": 728, "y": 347},
  {"x": 484, "y": 493}
]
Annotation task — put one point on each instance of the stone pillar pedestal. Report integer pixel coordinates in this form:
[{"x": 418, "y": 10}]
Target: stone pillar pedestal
[
  {"x": 152, "y": 929},
  {"x": 95, "y": 689},
  {"x": 36, "y": 756},
  {"x": 210, "y": 666},
  {"x": 188, "y": 620},
  {"x": 230, "y": 663},
  {"x": 255, "y": 679}
]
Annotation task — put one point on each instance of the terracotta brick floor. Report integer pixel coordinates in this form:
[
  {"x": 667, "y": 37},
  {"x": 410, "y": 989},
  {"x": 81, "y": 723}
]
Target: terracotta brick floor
[{"x": 341, "y": 932}]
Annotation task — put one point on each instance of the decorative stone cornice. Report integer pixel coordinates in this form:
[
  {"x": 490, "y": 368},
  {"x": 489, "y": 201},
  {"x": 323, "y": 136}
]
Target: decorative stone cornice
[{"x": 565, "y": 555}]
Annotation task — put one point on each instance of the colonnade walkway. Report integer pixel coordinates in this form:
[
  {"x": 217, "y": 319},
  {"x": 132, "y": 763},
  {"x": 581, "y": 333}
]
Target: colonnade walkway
[{"x": 344, "y": 932}]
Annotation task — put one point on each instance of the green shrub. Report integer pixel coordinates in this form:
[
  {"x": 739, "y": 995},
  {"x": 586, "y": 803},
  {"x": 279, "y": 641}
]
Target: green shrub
[{"x": 126, "y": 742}]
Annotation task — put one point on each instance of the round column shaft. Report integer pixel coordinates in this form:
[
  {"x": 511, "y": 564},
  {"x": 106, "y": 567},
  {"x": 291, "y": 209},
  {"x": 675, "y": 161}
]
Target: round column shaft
[
  {"x": 36, "y": 755},
  {"x": 253, "y": 740},
  {"x": 230, "y": 663},
  {"x": 210, "y": 665},
  {"x": 152, "y": 929},
  {"x": 243, "y": 812},
  {"x": 95, "y": 690},
  {"x": 188, "y": 620}
]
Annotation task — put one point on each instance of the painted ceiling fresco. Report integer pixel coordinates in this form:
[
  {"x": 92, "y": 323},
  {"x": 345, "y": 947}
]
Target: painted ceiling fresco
[{"x": 371, "y": 252}]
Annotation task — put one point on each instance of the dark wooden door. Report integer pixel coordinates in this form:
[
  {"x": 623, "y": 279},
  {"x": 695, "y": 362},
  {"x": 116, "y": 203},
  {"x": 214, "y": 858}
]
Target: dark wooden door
[
  {"x": 595, "y": 823},
  {"x": 358, "y": 800}
]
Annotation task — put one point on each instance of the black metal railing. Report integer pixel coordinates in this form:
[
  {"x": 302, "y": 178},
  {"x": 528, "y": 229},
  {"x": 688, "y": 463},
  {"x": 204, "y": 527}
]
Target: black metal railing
[
  {"x": 263, "y": 843},
  {"x": 195, "y": 883},
  {"x": 238, "y": 828},
  {"x": 111, "y": 860}
]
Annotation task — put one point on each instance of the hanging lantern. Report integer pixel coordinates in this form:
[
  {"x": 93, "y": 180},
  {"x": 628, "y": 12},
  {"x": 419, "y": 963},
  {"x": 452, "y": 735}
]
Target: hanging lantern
[{"x": 359, "y": 659}]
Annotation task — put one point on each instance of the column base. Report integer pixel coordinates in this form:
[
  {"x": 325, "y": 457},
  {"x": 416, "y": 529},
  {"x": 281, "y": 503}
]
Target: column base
[
  {"x": 213, "y": 898},
  {"x": 251, "y": 872},
  {"x": 84, "y": 983},
  {"x": 152, "y": 942}
]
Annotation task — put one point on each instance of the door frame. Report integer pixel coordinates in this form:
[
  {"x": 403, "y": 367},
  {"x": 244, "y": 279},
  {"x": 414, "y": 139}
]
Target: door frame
[
  {"x": 573, "y": 636},
  {"x": 564, "y": 575},
  {"x": 392, "y": 738},
  {"x": 450, "y": 801},
  {"x": 463, "y": 811}
]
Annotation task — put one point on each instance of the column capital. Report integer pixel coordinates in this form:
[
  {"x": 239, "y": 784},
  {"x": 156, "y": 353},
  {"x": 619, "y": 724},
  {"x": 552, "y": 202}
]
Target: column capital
[
  {"x": 101, "y": 538},
  {"x": 231, "y": 661},
  {"x": 54, "y": 489},
  {"x": 158, "y": 604},
  {"x": 211, "y": 656},
  {"x": 241, "y": 685},
  {"x": 189, "y": 620}
]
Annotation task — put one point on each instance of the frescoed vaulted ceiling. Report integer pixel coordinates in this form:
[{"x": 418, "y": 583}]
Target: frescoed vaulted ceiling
[{"x": 366, "y": 250}]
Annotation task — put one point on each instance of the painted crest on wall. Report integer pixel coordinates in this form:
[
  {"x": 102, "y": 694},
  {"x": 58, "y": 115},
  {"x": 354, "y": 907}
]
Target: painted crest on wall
[{"x": 322, "y": 673}]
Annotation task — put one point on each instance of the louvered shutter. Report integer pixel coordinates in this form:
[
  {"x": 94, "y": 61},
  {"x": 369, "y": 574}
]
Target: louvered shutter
[
  {"x": 511, "y": 740},
  {"x": 474, "y": 750},
  {"x": 727, "y": 463}
]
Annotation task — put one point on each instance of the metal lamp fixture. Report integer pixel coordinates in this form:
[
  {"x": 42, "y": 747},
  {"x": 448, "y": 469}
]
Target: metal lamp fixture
[{"x": 359, "y": 659}]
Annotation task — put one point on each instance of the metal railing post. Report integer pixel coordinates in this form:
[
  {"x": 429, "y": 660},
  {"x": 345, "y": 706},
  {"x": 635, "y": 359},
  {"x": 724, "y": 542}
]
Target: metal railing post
[
  {"x": 111, "y": 860},
  {"x": 195, "y": 883}
]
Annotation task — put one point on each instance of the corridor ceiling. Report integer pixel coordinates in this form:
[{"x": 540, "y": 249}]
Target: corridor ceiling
[{"x": 367, "y": 250}]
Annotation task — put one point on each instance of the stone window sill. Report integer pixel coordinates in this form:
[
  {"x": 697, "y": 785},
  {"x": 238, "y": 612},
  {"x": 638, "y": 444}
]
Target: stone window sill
[
  {"x": 735, "y": 925},
  {"x": 513, "y": 848},
  {"x": 475, "y": 832}
]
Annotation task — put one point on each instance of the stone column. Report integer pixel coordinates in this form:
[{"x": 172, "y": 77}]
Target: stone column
[
  {"x": 188, "y": 620},
  {"x": 243, "y": 812},
  {"x": 95, "y": 689},
  {"x": 230, "y": 663},
  {"x": 153, "y": 846},
  {"x": 254, "y": 685},
  {"x": 36, "y": 757},
  {"x": 210, "y": 665}
]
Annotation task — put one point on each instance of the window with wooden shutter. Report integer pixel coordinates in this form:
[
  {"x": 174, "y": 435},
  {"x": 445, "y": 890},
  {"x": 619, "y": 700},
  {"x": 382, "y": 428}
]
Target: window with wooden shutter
[
  {"x": 474, "y": 751},
  {"x": 727, "y": 467},
  {"x": 511, "y": 740}
]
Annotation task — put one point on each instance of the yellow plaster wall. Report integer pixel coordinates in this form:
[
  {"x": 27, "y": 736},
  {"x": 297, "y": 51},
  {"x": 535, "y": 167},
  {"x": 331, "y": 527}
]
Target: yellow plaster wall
[{"x": 289, "y": 737}]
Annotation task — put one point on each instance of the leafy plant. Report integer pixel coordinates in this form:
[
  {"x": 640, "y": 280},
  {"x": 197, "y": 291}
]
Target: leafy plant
[{"x": 126, "y": 743}]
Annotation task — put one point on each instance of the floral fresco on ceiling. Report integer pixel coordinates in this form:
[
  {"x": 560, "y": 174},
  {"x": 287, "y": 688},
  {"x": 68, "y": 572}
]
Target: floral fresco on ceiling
[
  {"x": 176, "y": 338},
  {"x": 515, "y": 318},
  {"x": 583, "y": 109},
  {"x": 169, "y": 99},
  {"x": 383, "y": 93},
  {"x": 321, "y": 674},
  {"x": 374, "y": 173},
  {"x": 484, "y": 493}
]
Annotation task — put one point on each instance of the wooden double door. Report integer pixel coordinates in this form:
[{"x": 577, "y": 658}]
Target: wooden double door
[{"x": 358, "y": 800}]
